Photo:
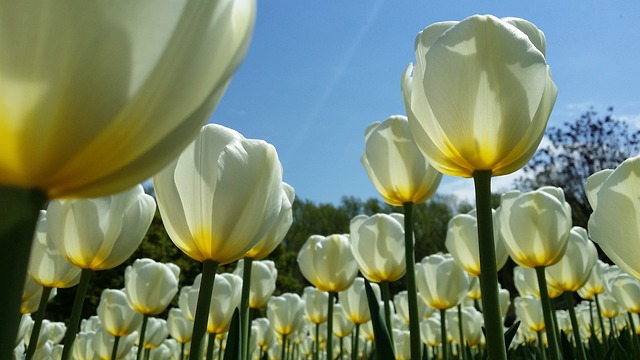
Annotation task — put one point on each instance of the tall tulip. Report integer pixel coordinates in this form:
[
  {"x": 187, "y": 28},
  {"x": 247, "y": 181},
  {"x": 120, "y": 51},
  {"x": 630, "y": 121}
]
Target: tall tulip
[
  {"x": 486, "y": 121},
  {"x": 98, "y": 234},
  {"x": 218, "y": 199},
  {"x": 462, "y": 242},
  {"x": 377, "y": 244},
  {"x": 354, "y": 301},
  {"x": 285, "y": 314},
  {"x": 150, "y": 287},
  {"x": 443, "y": 284},
  {"x": 225, "y": 298},
  {"x": 328, "y": 264},
  {"x": 535, "y": 227},
  {"x": 572, "y": 272},
  {"x": 101, "y": 96},
  {"x": 49, "y": 269},
  {"x": 613, "y": 223},
  {"x": 117, "y": 316},
  {"x": 180, "y": 327},
  {"x": 574, "y": 268},
  {"x": 263, "y": 281},
  {"x": 403, "y": 177},
  {"x": 258, "y": 284}
]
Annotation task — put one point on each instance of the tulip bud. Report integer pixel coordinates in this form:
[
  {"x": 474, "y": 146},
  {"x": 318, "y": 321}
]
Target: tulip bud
[{"x": 150, "y": 286}]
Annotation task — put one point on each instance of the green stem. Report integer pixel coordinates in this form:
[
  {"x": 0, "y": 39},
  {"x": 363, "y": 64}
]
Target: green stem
[
  {"x": 443, "y": 334},
  {"x": 554, "y": 350},
  {"x": 284, "y": 346},
  {"x": 574, "y": 324},
  {"x": 634, "y": 336},
  {"x": 244, "y": 307},
  {"x": 19, "y": 213},
  {"x": 605, "y": 340},
  {"x": 332, "y": 294},
  {"x": 211, "y": 344},
  {"x": 143, "y": 330},
  {"x": 591, "y": 327},
  {"x": 219, "y": 348},
  {"x": 489, "y": 271},
  {"x": 76, "y": 312},
  {"x": 316, "y": 345},
  {"x": 387, "y": 307},
  {"x": 543, "y": 354},
  {"x": 147, "y": 353},
  {"x": 114, "y": 350},
  {"x": 461, "y": 331},
  {"x": 354, "y": 351},
  {"x": 341, "y": 343},
  {"x": 182, "y": 346},
  {"x": 37, "y": 324},
  {"x": 209, "y": 268},
  {"x": 412, "y": 292}
]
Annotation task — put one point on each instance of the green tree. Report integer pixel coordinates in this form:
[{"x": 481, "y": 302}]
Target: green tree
[{"x": 575, "y": 151}]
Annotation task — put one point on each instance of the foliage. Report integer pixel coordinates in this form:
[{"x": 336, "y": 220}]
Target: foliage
[{"x": 575, "y": 151}]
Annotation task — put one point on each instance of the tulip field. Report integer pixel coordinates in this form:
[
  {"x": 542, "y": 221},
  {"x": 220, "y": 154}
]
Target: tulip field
[{"x": 477, "y": 98}]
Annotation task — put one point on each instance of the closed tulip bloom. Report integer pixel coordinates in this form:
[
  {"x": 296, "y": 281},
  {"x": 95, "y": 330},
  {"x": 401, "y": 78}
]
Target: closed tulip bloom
[
  {"x": 100, "y": 233},
  {"x": 285, "y": 313},
  {"x": 626, "y": 291},
  {"x": 535, "y": 226},
  {"x": 401, "y": 305},
  {"x": 279, "y": 229},
  {"x": 354, "y": 301},
  {"x": 31, "y": 295},
  {"x": 103, "y": 344},
  {"x": 117, "y": 89},
  {"x": 188, "y": 298},
  {"x": 377, "y": 243},
  {"x": 430, "y": 331},
  {"x": 462, "y": 242},
  {"x": 613, "y": 223},
  {"x": 490, "y": 116},
  {"x": 264, "y": 333},
  {"x": 594, "y": 284},
  {"x": 221, "y": 196},
  {"x": 46, "y": 265},
  {"x": 342, "y": 326},
  {"x": 116, "y": 315},
  {"x": 401, "y": 342},
  {"x": 608, "y": 306},
  {"x": 26, "y": 324},
  {"x": 225, "y": 298},
  {"x": 609, "y": 274},
  {"x": 395, "y": 165},
  {"x": 91, "y": 324},
  {"x": 179, "y": 326},
  {"x": 529, "y": 311},
  {"x": 83, "y": 348},
  {"x": 157, "y": 332},
  {"x": 315, "y": 304},
  {"x": 150, "y": 286},
  {"x": 442, "y": 284},
  {"x": 472, "y": 322},
  {"x": 327, "y": 262},
  {"x": 573, "y": 270},
  {"x": 263, "y": 281},
  {"x": 526, "y": 282}
]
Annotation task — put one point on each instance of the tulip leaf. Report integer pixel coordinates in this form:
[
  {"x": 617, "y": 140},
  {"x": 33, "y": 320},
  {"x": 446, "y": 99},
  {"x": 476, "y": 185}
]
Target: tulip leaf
[
  {"x": 232, "y": 350},
  {"x": 384, "y": 348},
  {"x": 511, "y": 333}
]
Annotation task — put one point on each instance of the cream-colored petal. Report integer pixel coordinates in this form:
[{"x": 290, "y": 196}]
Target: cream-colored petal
[{"x": 593, "y": 185}]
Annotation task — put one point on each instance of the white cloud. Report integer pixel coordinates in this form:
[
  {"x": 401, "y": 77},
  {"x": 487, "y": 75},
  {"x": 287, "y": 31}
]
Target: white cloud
[{"x": 633, "y": 119}]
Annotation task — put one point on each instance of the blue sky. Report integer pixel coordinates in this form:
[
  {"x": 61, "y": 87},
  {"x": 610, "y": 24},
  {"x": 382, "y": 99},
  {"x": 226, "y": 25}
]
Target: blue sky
[{"x": 319, "y": 72}]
